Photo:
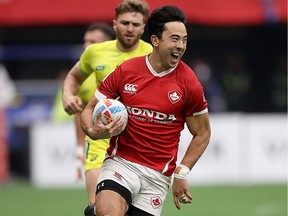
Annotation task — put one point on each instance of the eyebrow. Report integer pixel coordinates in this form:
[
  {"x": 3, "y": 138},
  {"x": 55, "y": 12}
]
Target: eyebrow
[
  {"x": 176, "y": 35},
  {"x": 127, "y": 21}
]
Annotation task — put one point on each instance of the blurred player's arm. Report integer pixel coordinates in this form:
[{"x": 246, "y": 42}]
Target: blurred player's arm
[
  {"x": 80, "y": 148},
  {"x": 199, "y": 127},
  {"x": 72, "y": 82}
]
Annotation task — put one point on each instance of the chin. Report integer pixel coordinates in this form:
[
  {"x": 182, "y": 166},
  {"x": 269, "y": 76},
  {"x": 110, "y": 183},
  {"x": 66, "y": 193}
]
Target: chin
[
  {"x": 129, "y": 43},
  {"x": 173, "y": 64}
]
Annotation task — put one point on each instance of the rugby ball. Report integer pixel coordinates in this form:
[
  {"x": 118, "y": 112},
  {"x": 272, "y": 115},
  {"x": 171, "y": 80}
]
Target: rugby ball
[{"x": 110, "y": 109}]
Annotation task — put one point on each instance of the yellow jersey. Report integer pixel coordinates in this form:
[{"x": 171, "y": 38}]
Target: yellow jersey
[
  {"x": 87, "y": 89},
  {"x": 102, "y": 58}
]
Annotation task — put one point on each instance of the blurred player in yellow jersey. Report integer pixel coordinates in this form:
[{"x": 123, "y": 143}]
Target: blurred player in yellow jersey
[
  {"x": 95, "y": 33},
  {"x": 100, "y": 59}
]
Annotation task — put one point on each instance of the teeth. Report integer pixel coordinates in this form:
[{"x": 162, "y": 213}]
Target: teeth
[{"x": 176, "y": 54}]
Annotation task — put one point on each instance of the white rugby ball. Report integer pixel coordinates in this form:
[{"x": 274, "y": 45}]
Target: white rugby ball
[{"x": 110, "y": 109}]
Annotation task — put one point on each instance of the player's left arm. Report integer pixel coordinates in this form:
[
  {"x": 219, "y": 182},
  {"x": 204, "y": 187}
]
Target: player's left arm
[{"x": 199, "y": 127}]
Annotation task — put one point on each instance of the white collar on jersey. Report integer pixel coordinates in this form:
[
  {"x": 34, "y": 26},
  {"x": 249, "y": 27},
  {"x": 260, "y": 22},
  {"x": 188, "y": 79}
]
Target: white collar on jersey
[{"x": 163, "y": 73}]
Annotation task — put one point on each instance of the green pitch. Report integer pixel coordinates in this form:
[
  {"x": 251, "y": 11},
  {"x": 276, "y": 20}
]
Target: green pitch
[{"x": 20, "y": 198}]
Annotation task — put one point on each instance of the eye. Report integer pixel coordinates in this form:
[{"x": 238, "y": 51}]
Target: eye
[
  {"x": 136, "y": 24},
  {"x": 174, "y": 39},
  {"x": 184, "y": 41},
  {"x": 124, "y": 23}
]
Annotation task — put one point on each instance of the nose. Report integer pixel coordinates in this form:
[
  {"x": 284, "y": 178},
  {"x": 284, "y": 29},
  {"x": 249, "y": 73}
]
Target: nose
[
  {"x": 181, "y": 44},
  {"x": 130, "y": 27}
]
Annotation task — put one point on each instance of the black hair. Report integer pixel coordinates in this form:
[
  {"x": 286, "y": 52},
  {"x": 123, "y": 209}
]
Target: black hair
[{"x": 162, "y": 15}]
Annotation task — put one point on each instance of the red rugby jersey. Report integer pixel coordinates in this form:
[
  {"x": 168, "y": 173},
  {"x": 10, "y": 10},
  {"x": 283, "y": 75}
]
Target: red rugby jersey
[{"x": 157, "y": 104}]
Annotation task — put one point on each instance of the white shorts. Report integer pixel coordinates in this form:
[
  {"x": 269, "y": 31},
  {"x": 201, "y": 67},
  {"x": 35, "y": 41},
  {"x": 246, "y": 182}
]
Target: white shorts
[{"x": 148, "y": 187}]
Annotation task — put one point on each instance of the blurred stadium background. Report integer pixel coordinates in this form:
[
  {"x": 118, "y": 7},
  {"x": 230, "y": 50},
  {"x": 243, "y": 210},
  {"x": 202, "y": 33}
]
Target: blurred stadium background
[{"x": 238, "y": 49}]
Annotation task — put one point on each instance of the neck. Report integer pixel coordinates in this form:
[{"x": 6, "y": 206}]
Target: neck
[
  {"x": 155, "y": 62},
  {"x": 123, "y": 48}
]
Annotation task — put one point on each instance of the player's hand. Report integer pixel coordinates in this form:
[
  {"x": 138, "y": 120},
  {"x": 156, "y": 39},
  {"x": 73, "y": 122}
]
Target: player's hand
[
  {"x": 72, "y": 104},
  {"x": 101, "y": 131},
  {"x": 180, "y": 192}
]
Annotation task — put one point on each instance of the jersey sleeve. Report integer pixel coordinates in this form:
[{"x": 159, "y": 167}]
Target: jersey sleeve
[
  {"x": 110, "y": 86},
  {"x": 196, "y": 103},
  {"x": 84, "y": 63}
]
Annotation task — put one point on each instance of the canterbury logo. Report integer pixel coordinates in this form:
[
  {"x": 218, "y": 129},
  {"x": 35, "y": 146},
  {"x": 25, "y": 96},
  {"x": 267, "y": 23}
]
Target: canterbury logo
[{"x": 130, "y": 88}]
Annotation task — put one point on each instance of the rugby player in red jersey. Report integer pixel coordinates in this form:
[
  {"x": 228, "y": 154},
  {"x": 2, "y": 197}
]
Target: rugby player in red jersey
[{"x": 161, "y": 94}]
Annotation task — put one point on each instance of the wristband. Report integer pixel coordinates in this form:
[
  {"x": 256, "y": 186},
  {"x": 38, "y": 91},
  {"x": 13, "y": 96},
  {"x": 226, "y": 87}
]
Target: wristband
[
  {"x": 80, "y": 150},
  {"x": 184, "y": 171}
]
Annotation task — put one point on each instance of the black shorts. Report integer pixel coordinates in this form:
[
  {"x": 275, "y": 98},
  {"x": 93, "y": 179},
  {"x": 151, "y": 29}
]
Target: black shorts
[{"x": 125, "y": 193}]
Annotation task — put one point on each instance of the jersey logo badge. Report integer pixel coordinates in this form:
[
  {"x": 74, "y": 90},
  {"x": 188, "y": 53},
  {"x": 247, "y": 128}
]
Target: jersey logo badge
[
  {"x": 100, "y": 67},
  {"x": 156, "y": 201},
  {"x": 118, "y": 176},
  {"x": 174, "y": 96},
  {"x": 130, "y": 88},
  {"x": 94, "y": 157}
]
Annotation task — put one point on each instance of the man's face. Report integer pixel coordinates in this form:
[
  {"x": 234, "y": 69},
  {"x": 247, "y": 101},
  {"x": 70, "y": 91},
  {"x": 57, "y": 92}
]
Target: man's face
[
  {"x": 172, "y": 45},
  {"x": 94, "y": 36},
  {"x": 129, "y": 28}
]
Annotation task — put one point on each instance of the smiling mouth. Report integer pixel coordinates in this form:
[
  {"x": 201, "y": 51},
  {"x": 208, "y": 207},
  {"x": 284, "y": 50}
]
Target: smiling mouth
[{"x": 175, "y": 56}]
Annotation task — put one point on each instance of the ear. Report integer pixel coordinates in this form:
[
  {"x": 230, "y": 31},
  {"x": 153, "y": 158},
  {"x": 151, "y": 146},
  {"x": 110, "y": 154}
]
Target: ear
[
  {"x": 154, "y": 40},
  {"x": 114, "y": 25}
]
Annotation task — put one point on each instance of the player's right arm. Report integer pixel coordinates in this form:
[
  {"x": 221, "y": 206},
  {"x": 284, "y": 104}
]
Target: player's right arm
[
  {"x": 72, "y": 82},
  {"x": 97, "y": 130}
]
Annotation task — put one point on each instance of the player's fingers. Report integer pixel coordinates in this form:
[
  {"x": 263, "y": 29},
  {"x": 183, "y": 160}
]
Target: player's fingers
[
  {"x": 79, "y": 104},
  {"x": 68, "y": 110},
  {"x": 185, "y": 199},
  {"x": 73, "y": 109},
  {"x": 188, "y": 195},
  {"x": 73, "y": 105},
  {"x": 120, "y": 125},
  {"x": 117, "y": 120},
  {"x": 98, "y": 118},
  {"x": 176, "y": 202},
  {"x": 115, "y": 124},
  {"x": 76, "y": 108}
]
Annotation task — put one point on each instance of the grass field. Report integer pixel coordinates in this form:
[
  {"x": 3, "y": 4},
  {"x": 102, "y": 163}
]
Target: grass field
[{"x": 20, "y": 198}]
